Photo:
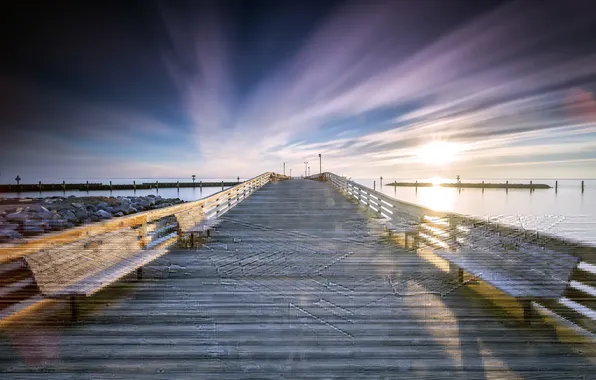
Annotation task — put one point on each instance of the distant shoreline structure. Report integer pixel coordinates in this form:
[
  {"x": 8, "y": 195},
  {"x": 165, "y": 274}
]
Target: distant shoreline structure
[
  {"x": 474, "y": 185},
  {"x": 21, "y": 188}
]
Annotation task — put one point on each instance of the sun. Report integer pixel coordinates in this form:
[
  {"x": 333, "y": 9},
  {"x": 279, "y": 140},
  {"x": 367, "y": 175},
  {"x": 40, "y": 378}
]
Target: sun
[
  {"x": 436, "y": 181},
  {"x": 438, "y": 153}
]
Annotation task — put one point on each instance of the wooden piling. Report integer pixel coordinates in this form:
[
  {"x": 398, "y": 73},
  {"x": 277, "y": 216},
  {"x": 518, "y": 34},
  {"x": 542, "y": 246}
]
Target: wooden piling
[
  {"x": 201, "y": 185},
  {"x": 134, "y": 185},
  {"x": 222, "y": 185},
  {"x": 374, "y": 185},
  {"x": 157, "y": 185}
]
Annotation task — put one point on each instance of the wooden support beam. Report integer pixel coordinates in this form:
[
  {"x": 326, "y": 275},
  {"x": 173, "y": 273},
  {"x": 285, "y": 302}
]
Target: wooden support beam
[
  {"x": 527, "y": 306},
  {"x": 74, "y": 312}
]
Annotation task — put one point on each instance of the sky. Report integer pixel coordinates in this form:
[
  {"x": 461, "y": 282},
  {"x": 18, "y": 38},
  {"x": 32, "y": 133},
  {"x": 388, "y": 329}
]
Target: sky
[{"x": 402, "y": 89}]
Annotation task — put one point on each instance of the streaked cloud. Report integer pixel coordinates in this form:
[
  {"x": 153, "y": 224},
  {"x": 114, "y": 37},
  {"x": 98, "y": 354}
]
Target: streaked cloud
[{"x": 368, "y": 88}]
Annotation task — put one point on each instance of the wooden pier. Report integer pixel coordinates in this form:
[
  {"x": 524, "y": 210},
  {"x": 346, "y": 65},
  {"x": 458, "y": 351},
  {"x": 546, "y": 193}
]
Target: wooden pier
[
  {"x": 295, "y": 280},
  {"x": 469, "y": 185}
]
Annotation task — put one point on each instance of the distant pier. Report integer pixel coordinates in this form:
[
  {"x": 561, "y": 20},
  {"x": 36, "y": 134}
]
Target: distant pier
[
  {"x": 37, "y": 187},
  {"x": 466, "y": 185}
]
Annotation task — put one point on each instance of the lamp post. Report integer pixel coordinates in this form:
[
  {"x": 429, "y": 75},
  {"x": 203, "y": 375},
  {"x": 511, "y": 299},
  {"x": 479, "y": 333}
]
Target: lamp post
[
  {"x": 290, "y": 172},
  {"x": 309, "y": 171},
  {"x": 305, "y": 163},
  {"x": 320, "y": 164},
  {"x": 284, "y": 168}
]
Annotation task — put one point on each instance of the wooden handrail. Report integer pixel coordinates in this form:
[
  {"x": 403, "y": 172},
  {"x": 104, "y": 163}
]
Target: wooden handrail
[{"x": 29, "y": 246}]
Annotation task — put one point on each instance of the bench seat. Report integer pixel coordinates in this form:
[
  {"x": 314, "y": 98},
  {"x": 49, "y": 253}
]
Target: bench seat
[
  {"x": 518, "y": 274},
  {"x": 92, "y": 284}
]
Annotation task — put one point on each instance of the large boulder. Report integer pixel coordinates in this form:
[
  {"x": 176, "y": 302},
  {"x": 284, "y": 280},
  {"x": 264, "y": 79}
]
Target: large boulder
[
  {"x": 125, "y": 209},
  {"x": 58, "y": 224},
  {"x": 38, "y": 212},
  {"x": 68, "y": 215},
  {"x": 34, "y": 227},
  {"x": 78, "y": 205},
  {"x": 81, "y": 214},
  {"x": 18, "y": 217},
  {"x": 8, "y": 235},
  {"x": 102, "y": 206},
  {"x": 9, "y": 226},
  {"x": 102, "y": 214}
]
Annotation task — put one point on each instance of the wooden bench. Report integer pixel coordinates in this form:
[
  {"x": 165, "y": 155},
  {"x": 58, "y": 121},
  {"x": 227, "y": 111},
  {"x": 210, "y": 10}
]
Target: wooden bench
[
  {"x": 525, "y": 274},
  {"x": 17, "y": 288},
  {"x": 90, "y": 285},
  {"x": 82, "y": 268}
]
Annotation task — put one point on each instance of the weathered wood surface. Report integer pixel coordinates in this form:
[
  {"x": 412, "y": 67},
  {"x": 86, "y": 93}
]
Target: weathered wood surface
[{"x": 296, "y": 283}]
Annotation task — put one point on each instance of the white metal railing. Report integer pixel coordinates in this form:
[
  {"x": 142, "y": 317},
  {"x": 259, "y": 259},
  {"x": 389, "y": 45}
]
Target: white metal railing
[{"x": 444, "y": 230}]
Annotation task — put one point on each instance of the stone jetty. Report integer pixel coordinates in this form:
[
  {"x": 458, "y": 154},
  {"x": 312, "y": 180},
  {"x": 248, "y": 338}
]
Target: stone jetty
[{"x": 33, "y": 216}]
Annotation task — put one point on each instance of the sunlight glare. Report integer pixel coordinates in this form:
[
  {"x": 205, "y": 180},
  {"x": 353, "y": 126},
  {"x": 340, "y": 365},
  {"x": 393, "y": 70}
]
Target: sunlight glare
[
  {"x": 439, "y": 152},
  {"x": 436, "y": 181}
]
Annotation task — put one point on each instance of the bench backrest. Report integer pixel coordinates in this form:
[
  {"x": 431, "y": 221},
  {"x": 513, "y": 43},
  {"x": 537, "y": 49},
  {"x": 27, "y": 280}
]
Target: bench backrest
[{"x": 58, "y": 267}]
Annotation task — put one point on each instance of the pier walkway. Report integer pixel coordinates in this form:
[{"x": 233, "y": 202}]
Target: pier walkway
[{"x": 296, "y": 281}]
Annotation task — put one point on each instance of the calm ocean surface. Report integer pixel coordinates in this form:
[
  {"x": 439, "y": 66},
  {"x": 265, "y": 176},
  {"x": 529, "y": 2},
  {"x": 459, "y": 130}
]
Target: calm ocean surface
[{"x": 567, "y": 212}]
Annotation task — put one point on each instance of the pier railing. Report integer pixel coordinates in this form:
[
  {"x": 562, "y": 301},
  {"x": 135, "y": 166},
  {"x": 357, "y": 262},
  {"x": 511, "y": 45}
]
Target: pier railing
[
  {"x": 436, "y": 230},
  {"x": 149, "y": 224}
]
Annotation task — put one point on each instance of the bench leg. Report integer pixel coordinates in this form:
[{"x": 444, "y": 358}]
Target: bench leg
[
  {"x": 457, "y": 271},
  {"x": 527, "y": 305},
  {"x": 139, "y": 273},
  {"x": 74, "y": 312}
]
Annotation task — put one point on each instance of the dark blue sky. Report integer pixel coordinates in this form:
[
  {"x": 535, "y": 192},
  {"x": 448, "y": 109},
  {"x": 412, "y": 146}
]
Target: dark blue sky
[{"x": 141, "y": 88}]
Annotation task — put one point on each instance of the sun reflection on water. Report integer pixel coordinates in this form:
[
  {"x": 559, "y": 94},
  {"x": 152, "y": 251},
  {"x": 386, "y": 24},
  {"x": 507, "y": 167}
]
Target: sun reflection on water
[{"x": 437, "y": 198}]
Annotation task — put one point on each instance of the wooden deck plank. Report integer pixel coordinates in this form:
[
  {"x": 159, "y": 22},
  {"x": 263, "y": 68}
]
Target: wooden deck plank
[{"x": 297, "y": 282}]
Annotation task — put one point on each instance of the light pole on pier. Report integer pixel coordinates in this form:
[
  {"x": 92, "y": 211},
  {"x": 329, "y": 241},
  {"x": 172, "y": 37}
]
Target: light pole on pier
[
  {"x": 284, "y": 168},
  {"x": 305, "y": 163},
  {"x": 290, "y": 172},
  {"x": 193, "y": 180},
  {"x": 309, "y": 171},
  {"x": 320, "y": 164}
]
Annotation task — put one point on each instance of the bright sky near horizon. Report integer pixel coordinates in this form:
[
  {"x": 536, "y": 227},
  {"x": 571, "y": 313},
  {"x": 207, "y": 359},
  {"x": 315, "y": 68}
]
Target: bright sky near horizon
[{"x": 410, "y": 89}]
